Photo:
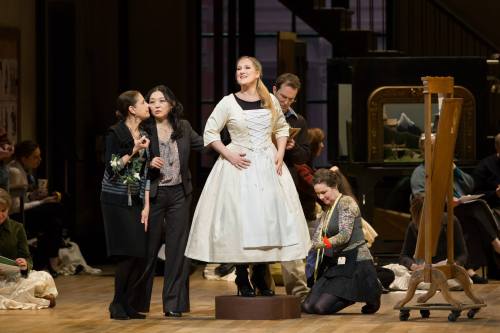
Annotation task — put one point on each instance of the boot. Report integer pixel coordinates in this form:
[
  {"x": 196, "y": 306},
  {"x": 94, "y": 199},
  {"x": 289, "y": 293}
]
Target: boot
[
  {"x": 244, "y": 287},
  {"x": 259, "y": 280}
]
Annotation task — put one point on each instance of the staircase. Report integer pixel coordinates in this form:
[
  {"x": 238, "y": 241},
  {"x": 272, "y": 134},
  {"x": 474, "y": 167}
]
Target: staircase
[
  {"x": 414, "y": 27},
  {"x": 334, "y": 23}
]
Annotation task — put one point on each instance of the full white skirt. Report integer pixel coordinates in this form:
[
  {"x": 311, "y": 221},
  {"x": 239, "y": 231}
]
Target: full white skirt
[
  {"x": 250, "y": 215},
  {"x": 17, "y": 292}
]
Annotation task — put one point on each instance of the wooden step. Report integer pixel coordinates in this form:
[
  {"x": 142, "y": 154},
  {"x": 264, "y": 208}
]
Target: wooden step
[{"x": 257, "y": 308}]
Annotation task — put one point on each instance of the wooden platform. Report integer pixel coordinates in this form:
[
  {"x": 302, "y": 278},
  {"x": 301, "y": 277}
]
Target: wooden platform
[
  {"x": 83, "y": 302},
  {"x": 257, "y": 308}
]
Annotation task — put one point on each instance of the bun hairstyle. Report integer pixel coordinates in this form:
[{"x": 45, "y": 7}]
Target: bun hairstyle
[
  {"x": 175, "y": 115},
  {"x": 333, "y": 179},
  {"x": 327, "y": 177},
  {"x": 262, "y": 91},
  {"x": 124, "y": 101}
]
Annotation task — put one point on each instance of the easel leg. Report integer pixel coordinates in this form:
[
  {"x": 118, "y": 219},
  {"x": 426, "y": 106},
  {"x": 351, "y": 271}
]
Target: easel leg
[
  {"x": 441, "y": 282},
  {"x": 463, "y": 278},
  {"x": 415, "y": 279},
  {"x": 431, "y": 292}
]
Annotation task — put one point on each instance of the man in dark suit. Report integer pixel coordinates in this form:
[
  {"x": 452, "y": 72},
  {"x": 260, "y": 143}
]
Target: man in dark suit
[{"x": 286, "y": 89}]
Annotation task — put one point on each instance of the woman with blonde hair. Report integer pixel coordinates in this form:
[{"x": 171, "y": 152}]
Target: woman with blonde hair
[
  {"x": 20, "y": 287},
  {"x": 249, "y": 210}
]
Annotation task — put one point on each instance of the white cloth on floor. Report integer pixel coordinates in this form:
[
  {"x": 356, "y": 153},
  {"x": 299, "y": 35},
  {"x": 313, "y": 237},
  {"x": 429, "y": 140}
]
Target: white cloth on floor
[
  {"x": 71, "y": 257},
  {"x": 403, "y": 275},
  {"x": 17, "y": 292}
]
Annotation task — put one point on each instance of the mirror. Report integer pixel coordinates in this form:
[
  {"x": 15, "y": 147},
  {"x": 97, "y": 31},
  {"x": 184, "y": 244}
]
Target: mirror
[{"x": 396, "y": 121}]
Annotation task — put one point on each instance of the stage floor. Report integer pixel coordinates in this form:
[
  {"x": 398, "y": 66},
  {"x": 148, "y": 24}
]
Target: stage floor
[{"x": 82, "y": 306}]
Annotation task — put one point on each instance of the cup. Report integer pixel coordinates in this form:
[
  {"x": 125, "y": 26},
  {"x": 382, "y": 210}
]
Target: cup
[{"x": 43, "y": 184}]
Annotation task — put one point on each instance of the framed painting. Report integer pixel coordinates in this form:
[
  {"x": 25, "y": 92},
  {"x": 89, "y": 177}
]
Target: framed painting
[{"x": 9, "y": 84}]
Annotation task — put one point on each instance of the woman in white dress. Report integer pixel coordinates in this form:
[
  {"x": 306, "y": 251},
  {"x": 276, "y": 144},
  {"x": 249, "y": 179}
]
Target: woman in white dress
[{"x": 249, "y": 210}]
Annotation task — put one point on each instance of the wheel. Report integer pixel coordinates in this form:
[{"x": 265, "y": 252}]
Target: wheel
[
  {"x": 404, "y": 315},
  {"x": 453, "y": 316},
  {"x": 425, "y": 313},
  {"x": 472, "y": 312}
]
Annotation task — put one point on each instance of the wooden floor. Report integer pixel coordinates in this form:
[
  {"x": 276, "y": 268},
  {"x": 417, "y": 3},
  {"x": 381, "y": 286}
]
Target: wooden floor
[{"x": 83, "y": 301}]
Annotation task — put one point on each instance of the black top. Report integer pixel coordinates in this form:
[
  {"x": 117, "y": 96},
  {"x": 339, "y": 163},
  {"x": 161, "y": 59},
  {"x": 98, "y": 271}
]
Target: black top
[
  {"x": 487, "y": 178},
  {"x": 406, "y": 257},
  {"x": 248, "y": 105}
]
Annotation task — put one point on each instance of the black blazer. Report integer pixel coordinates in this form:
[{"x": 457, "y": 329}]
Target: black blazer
[{"x": 190, "y": 140}]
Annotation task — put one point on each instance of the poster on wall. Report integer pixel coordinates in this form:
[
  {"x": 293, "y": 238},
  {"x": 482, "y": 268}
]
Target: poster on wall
[{"x": 9, "y": 84}]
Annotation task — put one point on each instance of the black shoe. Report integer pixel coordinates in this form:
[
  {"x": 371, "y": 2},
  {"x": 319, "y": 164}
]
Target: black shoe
[
  {"x": 173, "y": 314},
  {"x": 116, "y": 311},
  {"x": 263, "y": 290},
  {"x": 224, "y": 269},
  {"x": 246, "y": 291},
  {"x": 370, "y": 308},
  {"x": 132, "y": 313},
  {"x": 478, "y": 279},
  {"x": 244, "y": 287},
  {"x": 259, "y": 281},
  {"x": 52, "y": 272},
  {"x": 78, "y": 269}
]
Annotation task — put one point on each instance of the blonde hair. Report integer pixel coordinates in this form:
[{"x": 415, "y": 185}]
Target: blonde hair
[
  {"x": 5, "y": 199},
  {"x": 262, "y": 91}
]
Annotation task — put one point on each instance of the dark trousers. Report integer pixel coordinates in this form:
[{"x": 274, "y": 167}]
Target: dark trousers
[
  {"x": 480, "y": 229},
  {"x": 127, "y": 273},
  {"x": 168, "y": 219}
]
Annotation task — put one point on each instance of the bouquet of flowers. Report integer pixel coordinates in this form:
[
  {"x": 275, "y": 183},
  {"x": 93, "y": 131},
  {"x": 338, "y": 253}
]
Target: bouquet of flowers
[{"x": 128, "y": 175}]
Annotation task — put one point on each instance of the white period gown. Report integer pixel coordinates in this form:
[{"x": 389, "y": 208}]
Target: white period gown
[{"x": 249, "y": 215}]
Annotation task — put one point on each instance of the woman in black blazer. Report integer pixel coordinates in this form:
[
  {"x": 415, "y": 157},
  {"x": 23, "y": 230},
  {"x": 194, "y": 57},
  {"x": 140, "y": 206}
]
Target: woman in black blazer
[
  {"x": 172, "y": 140},
  {"x": 122, "y": 209}
]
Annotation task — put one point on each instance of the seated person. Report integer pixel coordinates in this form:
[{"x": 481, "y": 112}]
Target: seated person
[
  {"x": 43, "y": 212},
  {"x": 346, "y": 274},
  {"x": 476, "y": 219},
  {"x": 487, "y": 177},
  {"x": 487, "y": 181},
  {"x": 23, "y": 288},
  {"x": 410, "y": 243},
  {"x": 6, "y": 151}
]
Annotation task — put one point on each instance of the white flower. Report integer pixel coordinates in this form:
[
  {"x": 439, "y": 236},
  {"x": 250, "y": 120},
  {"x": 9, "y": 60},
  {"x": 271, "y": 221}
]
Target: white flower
[
  {"x": 125, "y": 182},
  {"x": 115, "y": 161},
  {"x": 137, "y": 176}
]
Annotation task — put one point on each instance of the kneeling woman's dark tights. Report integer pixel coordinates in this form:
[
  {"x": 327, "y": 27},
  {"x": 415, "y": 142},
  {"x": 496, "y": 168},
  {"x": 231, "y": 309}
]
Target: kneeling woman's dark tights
[{"x": 325, "y": 304}]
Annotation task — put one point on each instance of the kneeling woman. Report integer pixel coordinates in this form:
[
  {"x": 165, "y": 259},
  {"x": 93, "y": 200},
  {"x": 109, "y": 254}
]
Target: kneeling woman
[{"x": 346, "y": 272}]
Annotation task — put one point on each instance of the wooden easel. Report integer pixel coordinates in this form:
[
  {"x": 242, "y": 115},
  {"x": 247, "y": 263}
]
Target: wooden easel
[{"x": 438, "y": 190}]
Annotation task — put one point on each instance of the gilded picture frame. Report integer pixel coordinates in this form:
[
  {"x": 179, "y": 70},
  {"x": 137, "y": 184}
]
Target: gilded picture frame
[{"x": 466, "y": 141}]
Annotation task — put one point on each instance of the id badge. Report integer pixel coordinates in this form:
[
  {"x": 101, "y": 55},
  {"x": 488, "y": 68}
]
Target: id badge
[{"x": 341, "y": 261}]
